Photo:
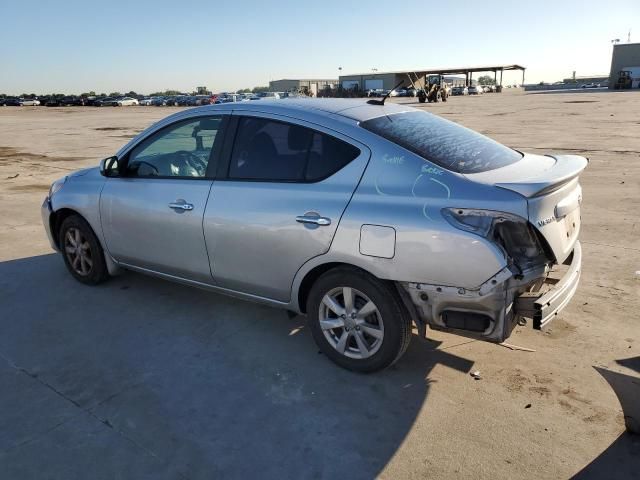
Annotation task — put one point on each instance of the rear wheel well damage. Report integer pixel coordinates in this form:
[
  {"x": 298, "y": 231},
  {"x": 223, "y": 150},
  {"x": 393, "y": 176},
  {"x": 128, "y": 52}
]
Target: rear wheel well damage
[
  {"x": 313, "y": 275},
  {"x": 310, "y": 278}
]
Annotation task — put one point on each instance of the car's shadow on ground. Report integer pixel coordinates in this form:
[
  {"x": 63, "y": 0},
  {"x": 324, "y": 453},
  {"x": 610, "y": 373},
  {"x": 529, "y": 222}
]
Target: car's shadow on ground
[
  {"x": 614, "y": 461},
  {"x": 146, "y": 378}
]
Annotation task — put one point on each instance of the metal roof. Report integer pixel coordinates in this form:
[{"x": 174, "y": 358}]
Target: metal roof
[{"x": 444, "y": 71}]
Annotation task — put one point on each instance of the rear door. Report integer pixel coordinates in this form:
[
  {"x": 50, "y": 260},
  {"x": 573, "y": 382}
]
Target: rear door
[{"x": 278, "y": 201}]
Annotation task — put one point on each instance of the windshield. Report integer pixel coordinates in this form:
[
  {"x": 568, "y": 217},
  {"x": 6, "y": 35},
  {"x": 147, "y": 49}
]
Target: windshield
[{"x": 442, "y": 142}]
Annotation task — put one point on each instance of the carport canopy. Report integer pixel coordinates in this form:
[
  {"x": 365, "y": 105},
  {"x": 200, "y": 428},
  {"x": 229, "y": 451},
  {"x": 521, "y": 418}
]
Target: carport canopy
[{"x": 466, "y": 71}]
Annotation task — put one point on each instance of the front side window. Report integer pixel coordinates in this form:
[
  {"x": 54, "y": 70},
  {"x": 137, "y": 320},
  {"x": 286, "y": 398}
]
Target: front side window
[
  {"x": 274, "y": 151},
  {"x": 442, "y": 142},
  {"x": 181, "y": 150}
]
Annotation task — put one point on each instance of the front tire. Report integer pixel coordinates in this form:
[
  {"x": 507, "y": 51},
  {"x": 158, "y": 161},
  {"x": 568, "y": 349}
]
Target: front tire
[
  {"x": 358, "y": 321},
  {"x": 81, "y": 251}
]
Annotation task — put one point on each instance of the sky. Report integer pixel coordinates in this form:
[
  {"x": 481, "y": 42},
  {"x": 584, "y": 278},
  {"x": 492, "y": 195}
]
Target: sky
[{"x": 150, "y": 45}]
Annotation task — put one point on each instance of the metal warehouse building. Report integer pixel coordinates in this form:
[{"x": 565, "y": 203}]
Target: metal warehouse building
[
  {"x": 625, "y": 58},
  {"x": 311, "y": 86},
  {"x": 388, "y": 80}
]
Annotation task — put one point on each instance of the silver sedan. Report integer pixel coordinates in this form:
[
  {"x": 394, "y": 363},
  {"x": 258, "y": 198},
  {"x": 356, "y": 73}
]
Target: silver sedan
[{"x": 370, "y": 219}]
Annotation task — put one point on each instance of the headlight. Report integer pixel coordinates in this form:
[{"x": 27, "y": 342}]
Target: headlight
[{"x": 57, "y": 185}]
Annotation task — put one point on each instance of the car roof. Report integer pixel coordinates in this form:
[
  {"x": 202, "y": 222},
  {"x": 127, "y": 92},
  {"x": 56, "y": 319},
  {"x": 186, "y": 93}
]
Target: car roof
[{"x": 355, "y": 109}]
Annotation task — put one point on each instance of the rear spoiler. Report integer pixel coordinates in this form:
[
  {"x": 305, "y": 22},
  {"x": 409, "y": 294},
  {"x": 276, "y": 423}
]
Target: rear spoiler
[{"x": 566, "y": 168}]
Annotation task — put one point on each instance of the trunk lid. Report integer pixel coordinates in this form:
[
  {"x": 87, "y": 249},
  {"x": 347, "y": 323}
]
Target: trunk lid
[{"x": 550, "y": 186}]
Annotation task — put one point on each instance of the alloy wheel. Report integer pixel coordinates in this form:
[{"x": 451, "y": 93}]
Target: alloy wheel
[
  {"x": 78, "y": 251},
  {"x": 351, "y": 322}
]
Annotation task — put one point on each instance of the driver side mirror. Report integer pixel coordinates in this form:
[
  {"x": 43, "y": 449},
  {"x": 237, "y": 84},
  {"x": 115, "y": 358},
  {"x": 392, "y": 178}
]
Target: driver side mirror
[{"x": 110, "y": 167}]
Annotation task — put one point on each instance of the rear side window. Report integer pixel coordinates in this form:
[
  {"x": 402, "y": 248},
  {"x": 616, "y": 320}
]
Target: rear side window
[
  {"x": 328, "y": 155},
  {"x": 442, "y": 142},
  {"x": 272, "y": 151}
]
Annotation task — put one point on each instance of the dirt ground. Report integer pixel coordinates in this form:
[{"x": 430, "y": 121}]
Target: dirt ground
[{"x": 140, "y": 378}]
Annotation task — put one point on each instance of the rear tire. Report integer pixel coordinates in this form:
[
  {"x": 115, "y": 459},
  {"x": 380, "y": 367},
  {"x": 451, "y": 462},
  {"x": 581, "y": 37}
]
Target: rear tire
[
  {"x": 82, "y": 252},
  {"x": 357, "y": 320}
]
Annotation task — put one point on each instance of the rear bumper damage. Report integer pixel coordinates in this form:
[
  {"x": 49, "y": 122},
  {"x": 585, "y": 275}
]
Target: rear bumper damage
[
  {"x": 542, "y": 307},
  {"x": 492, "y": 310}
]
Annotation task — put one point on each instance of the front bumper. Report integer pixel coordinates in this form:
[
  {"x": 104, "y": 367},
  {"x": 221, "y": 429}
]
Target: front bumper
[
  {"x": 543, "y": 307},
  {"x": 46, "y": 212}
]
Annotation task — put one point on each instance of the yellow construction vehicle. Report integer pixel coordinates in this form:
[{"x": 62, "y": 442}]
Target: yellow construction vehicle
[
  {"x": 435, "y": 90},
  {"x": 624, "y": 81}
]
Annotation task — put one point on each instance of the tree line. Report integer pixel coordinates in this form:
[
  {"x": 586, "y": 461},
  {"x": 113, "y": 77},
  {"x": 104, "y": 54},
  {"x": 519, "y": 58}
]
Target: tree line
[{"x": 165, "y": 93}]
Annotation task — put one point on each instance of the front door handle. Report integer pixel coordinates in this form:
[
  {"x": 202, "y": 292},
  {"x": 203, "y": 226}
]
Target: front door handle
[
  {"x": 314, "y": 219},
  {"x": 181, "y": 205}
]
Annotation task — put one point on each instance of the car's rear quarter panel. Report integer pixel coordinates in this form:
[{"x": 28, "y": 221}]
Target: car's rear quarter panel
[{"x": 403, "y": 191}]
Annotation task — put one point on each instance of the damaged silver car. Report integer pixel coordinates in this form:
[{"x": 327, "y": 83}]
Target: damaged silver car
[{"x": 367, "y": 218}]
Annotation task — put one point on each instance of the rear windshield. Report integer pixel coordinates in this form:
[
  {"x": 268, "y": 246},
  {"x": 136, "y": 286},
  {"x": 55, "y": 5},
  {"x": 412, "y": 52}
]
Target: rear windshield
[{"x": 442, "y": 142}]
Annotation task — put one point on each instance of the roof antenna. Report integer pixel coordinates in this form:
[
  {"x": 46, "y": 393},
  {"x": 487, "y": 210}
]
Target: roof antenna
[{"x": 381, "y": 102}]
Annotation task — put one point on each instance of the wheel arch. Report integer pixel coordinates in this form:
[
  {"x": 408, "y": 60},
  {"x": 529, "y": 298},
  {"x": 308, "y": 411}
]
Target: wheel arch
[
  {"x": 316, "y": 272},
  {"x": 310, "y": 277},
  {"x": 55, "y": 222}
]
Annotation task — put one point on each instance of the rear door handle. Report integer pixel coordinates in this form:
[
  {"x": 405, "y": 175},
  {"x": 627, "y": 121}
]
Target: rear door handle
[
  {"x": 314, "y": 219},
  {"x": 181, "y": 205}
]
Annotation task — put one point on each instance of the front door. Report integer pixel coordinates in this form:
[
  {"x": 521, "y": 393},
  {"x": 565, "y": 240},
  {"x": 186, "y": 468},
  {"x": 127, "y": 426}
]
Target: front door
[
  {"x": 279, "y": 203},
  {"x": 152, "y": 214}
]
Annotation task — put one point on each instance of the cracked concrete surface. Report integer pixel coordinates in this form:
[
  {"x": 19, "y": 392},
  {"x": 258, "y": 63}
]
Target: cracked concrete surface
[{"x": 140, "y": 378}]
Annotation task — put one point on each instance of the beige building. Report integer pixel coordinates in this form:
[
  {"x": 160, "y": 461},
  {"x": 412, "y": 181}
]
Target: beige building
[
  {"x": 302, "y": 85},
  {"x": 625, "y": 58}
]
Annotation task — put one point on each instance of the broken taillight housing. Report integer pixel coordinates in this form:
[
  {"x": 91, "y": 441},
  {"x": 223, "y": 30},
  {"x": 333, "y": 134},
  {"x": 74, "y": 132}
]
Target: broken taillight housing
[{"x": 512, "y": 233}]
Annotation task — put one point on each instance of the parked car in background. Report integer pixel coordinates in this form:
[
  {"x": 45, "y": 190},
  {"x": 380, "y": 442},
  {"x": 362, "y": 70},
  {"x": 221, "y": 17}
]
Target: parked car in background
[
  {"x": 204, "y": 100},
  {"x": 474, "y": 90},
  {"x": 459, "y": 91},
  {"x": 332, "y": 208},
  {"x": 182, "y": 101},
  {"x": 90, "y": 101},
  {"x": 412, "y": 92},
  {"x": 158, "y": 101},
  {"x": 126, "y": 102},
  {"x": 12, "y": 102},
  {"x": 145, "y": 101},
  {"x": 269, "y": 95},
  {"x": 51, "y": 101},
  {"x": 398, "y": 92},
  {"x": 30, "y": 102},
  {"x": 105, "y": 102},
  {"x": 175, "y": 100},
  {"x": 233, "y": 98},
  {"x": 72, "y": 101}
]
